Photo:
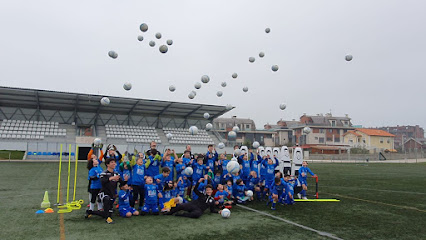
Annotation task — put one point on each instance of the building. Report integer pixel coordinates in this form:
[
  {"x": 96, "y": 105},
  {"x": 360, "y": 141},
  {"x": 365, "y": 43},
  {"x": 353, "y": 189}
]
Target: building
[
  {"x": 413, "y": 145},
  {"x": 403, "y": 133},
  {"x": 245, "y": 124},
  {"x": 374, "y": 140}
]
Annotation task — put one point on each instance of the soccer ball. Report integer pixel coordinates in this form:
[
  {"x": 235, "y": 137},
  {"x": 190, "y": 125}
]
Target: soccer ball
[
  {"x": 274, "y": 68},
  {"x": 234, "y": 75},
  {"x": 256, "y": 144},
  {"x": 228, "y": 107},
  {"x": 180, "y": 200},
  {"x": 209, "y": 126},
  {"x": 191, "y": 95},
  {"x": 206, "y": 115},
  {"x": 143, "y": 27},
  {"x": 307, "y": 130},
  {"x": 158, "y": 35},
  {"x": 188, "y": 171},
  {"x": 348, "y": 57},
  {"x": 97, "y": 142},
  {"x": 221, "y": 145},
  {"x": 267, "y": 30},
  {"x": 163, "y": 48},
  {"x": 205, "y": 79},
  {"x": 249, "y": 193},
  {"x": 251, "y": 59},
  {"x": 169, "y": 136},
  {"x": 236, "y": 129},
  {"x": 226, "y": 213},
  {"x": 105, "y": 101},
  {"x": 219, "y": 93},
  {"x": 151, "y": 43},
  {"x": 194, "y": 92},
  {"x": 169, "y": 42},
  {"x": 112, "y": 54},
  {"x": 237, "y": 152},
  {"x": 232, "y": 134},
  {"x": 261, "y": 54},
  {"x": 245, "y": 89},
  {"x": 140, "y": 38},
  {"x": 197, "y": 85},
  {"x": 233, "y": 167},
  {"x": 223, "y": 84},
  {"x": 193, "y": 130},
  {"x": 282, "y": 106},
  {"x": 172, "y": 88},
  {"x": 127, "y": 86}
]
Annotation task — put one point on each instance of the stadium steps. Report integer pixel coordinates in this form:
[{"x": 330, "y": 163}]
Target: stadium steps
[
  {"x": 163, "y": 138},
  {"x": 215, "y": 139},
  {"x": 71, "y": 132},
  {"x": 101, "y": 133}
]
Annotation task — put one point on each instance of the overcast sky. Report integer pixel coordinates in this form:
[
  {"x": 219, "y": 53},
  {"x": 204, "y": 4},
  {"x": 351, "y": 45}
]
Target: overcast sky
[{"x": 63, "y": 45}]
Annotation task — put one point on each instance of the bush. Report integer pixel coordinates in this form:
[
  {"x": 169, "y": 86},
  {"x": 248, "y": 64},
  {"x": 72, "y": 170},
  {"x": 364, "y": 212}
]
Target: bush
[{"x": 359, "y": 151}]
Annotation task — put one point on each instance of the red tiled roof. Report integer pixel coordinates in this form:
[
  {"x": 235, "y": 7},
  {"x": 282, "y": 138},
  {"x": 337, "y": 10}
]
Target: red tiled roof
[
  {"x": 375, "y": 132},
  {"x": 352, "y": 132}
]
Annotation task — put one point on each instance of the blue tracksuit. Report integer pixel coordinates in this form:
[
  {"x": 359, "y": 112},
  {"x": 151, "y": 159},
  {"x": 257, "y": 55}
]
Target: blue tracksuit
[
  {"x": 94, "y": 176},
  {"x": 151, "y": 198}
]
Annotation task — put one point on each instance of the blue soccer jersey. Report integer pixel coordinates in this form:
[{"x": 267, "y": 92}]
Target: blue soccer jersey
[
  {"x": 151, "y": 194},
  {"x": 94, "y": 176},
  {"x": 124, "y": 199},
  {"x": 138, "y": 177}
]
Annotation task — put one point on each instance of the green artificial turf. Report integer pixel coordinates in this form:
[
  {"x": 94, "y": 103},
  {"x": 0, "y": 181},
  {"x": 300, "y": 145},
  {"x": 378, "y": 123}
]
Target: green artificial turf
[
  {"x": 378, "y": 201},
  {"x": 6, "y": 154}
]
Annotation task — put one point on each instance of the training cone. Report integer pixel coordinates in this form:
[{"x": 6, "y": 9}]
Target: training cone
[
  {"x": 45, "y": 203},
  {"x": 49, "y": 210},
  {"x": 39, "y": 212}
]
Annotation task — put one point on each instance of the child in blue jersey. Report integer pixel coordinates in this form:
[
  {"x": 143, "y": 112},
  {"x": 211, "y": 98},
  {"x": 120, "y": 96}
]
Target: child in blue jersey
[
  {"x": 124, "y": 202},
  {"x": 138, "y": 182},
  {"x": 170, "y": 162},
  {"x": 277, "y": 192},
  {"x": 229, "y": 189},
  {"x": 269, "y": 175},
  {"x": 240, "y": 192},
  {"x": 217, "y": 179},
  {"x": 161, "y": 179},
  {"x": 199, "y": 169},
  {"x": 262, "y": 170},
  {"x": 255, "y": 166},
  {"x": 211, "y": 157},
  {"x": 289, "y": 190},
  {"x": 153, "y": 163},
  {"x": 151, "y": 197},
  {"x": 235, "y": 177},
  {"x": 126, "y": 170},
  {"x": 246, "y": 167},
  {"x": 180, "y": 166},
  {"x": 167, "y": 194},
  {"x": 303, "y": 174},
  {"x": 95, "y": 185},
  {"x": 221, "y": 197},
  {"x": 186, "y": 158},
  {"x": 253, "y": 184}
]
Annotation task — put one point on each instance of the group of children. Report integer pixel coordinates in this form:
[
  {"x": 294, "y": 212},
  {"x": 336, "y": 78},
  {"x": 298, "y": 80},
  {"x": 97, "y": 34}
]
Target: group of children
[{"x": 157, "y": 183}]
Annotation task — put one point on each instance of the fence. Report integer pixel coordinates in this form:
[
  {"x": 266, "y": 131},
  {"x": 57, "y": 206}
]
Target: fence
[{"x": 363, "y": 157}]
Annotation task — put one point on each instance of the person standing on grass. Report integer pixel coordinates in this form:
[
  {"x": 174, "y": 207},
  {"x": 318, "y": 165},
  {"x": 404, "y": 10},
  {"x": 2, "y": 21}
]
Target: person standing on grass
[
  {"x": 109, "y": 179},
  {"x": 303, "y": 174}
]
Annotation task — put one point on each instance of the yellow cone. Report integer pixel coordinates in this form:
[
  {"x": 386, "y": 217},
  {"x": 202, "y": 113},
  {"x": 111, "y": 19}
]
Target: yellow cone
[{"x": 45, "y": 203}]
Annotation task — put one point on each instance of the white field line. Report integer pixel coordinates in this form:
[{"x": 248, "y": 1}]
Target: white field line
[{"x": 378, "y": 190}]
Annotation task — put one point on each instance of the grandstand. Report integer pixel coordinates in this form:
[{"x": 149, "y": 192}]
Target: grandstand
[{"x": 38, "y": 121}]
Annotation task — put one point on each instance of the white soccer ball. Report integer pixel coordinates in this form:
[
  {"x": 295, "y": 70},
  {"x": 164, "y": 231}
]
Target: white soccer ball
[
  {"x": 245, "y": 89},
  {"x": 235, "y": 129},
  {"x": 261, "y": 54},
  {"x": 267, "y": 30},
  {"x": 256, "y": 144},
  {"x": 348, "y": 57},
  {"x": 191, "y": 95},
  {"x": 234, "y": 159},
  {"x": 223, "y": 84},
  {"x": 112, "y": 54},
  {"x": 206, "y": 115},
  {"x": 205, "y": 79},
  {"x": 105, "y": 101},
  {"x": 163, "y": 48},
  {"x": 233, "y": 167},
  {"x": 228, "y": 107},
  {"x": 151, "y": 43},
  {"x": 193, "y": 130},
  {"x": 127, "y": 86},
  {"x": 172, "y": 88},
  {"x": 251, "y": 59},
  {"x": 234, "y": 75},
  {"x": 232, "y": 134},
  {"x": 169, "y": 136},
  {"x": 249, "y": 193},
  {"x": 140, "y": 38},
  {"x": 158, "y": 35},
  {"x": 180, "y": 200},
  {"x": 209, "y": 126},
  {"x": 169, "y": 42},
  {"x": 188, "y": 171},
  {"x": 197, "y": 85},
  {"x": 194, "y": 92},
  {"x": 219, "y": 93},
  {"x": 143, "y": 27},
  {"x": 274, "y": 68},
  {"x": 226, "y": 213},
  {"x": 282, "y": 106},
  {"x": 237, "y": 152},
  {"x": 221, "y": 145},
  {"x": 307, "y": 130},
  {"x": 97, "y": 141}
]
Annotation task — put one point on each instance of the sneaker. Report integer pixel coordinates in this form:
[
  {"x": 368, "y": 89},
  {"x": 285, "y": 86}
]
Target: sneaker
[
  {"x": 299, "y": 196},
  {"x": 88, "y": 214},
  {"x": 305, "y": 198},
  {"x": 109, "y": 220},
  {"x": 272, "y": 208}
]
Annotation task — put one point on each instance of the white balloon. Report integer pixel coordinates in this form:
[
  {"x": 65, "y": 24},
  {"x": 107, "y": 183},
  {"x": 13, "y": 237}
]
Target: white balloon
[
  {"x": 251, "y": 59},
  {"x": 158, "y": 35},
  {"x": 205, "y": 79},
  {"x": 206, "y": 115},
  {"x": 112, "y": 54},
  {"x": 163, "y": 48},
  {"x": 245, "y": 89},
  {"x": 234, "y": 75},
  {"x": 209, "y": 126},
  {"x": 143, "y": 27},
  {"x": 274, "y": 68},
  {"x": 172, "y": 88},
  {"x": 193, "y": 130},
  {"x": 151, "y": 43},
  {"x": 282, "y": 106},
  {"x": 221, "y": 145},
  {"x": 236, "y": 129},
  {"x": 348, "y": 57},
  {"x": 219, "y": 93},
  {"x": 169, "y": 42},
  {"x": 169, "y": 136},
  {"x": 267, "y": 30},
  {"x": 261, "y": 54},
  {"x": 105, "y": 101},
  {"x": 127, "y": 86},
  {"x": 197, "y": 85},
  {"x": 140, "y": 38},
  {"x": 228, "y": 107},
  {"x": 232, "y": 134},
  {"x": 256, "y": 144},
  {"x": 223, "y": 84}
]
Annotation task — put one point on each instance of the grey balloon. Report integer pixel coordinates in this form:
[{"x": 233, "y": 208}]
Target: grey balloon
[
  {"x": 274, "y": 68},
  {"x": 158, "y": 35},
  {"x": 267, "y": 30},
  {"x": 348, "y": 57},
  {"x": 112, "y": 54},
  {"x": 169, "y": 42},
  {"x": 152, "y": 43},
  {"x": 163, "y": 48},
  {"x": 234, "y": 75},
  {"x": 251, "y": 59},
  {"x": 261, "y": 54},
  {"x": 143, "y": 27}
]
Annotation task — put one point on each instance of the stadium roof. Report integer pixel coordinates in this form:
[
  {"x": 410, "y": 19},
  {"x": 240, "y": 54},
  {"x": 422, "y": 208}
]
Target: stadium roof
[{"x": 81, "y": 102}]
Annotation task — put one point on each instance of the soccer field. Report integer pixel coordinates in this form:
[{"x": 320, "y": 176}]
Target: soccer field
[{"x": 378, "y": 201}]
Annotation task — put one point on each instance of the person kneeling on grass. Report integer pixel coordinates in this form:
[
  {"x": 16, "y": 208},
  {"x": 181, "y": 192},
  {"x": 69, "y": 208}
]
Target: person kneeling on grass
[
  {"x": 109, "y": 179},
  {"x": 196, "y": 208},
  {"x": 124, "y": 202}
]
